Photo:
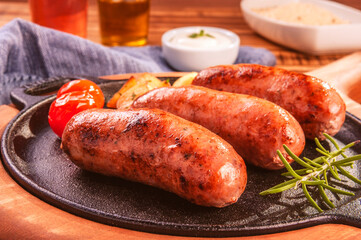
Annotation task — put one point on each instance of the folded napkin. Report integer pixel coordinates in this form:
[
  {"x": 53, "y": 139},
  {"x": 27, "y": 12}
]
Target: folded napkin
[{"x": 29, "y": 52}]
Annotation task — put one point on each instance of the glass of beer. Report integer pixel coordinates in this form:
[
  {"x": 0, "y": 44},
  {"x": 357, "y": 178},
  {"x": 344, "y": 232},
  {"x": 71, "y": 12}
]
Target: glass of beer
[
  {"x": 65, "y": 15},
  {"x": 124, "y": 22}
]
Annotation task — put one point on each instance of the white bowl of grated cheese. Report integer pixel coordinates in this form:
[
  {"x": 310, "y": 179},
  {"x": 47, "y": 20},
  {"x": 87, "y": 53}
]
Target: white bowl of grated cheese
[{"x": 312, "y": 26}]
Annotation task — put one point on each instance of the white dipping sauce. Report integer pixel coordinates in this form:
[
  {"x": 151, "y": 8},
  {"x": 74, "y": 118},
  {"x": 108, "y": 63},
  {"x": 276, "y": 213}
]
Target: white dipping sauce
[
  {"x": 197, "y": 47},
  {"x": 210, "y": 40}
]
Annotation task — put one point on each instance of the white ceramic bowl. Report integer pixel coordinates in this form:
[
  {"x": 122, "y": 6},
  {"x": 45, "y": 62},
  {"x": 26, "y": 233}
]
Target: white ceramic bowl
[
  {"x": 184, "y": 58},
  {"x": 305, "y": 38}
]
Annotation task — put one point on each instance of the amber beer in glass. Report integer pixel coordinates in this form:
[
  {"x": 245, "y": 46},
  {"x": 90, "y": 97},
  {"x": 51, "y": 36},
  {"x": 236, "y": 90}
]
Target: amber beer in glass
[
  {"x": 124, "y": 22},
  {"x": 65, "y": 15}
]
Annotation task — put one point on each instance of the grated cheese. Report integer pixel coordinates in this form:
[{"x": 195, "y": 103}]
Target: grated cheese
[{"x": 301, "y": 13}]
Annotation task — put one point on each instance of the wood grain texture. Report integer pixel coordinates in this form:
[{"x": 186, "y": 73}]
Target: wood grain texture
[
  {"x": 165, "y": 16},
  {"x": 7, "y": 113},
  {"x": 23, "y": 216},
  {"x": 344, "y": 75}
]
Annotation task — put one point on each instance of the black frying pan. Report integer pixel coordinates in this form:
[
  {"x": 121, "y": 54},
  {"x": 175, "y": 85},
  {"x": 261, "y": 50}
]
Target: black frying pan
[{"x": 31, "y": 155}]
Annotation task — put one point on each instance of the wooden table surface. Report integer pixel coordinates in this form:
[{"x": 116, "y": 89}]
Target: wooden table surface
[
  {"x": 24, "y": 216},
  {"x": 166, "y": 14}
]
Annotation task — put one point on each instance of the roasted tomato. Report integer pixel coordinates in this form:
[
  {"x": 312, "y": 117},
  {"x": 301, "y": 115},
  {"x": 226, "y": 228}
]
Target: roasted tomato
[{"x": 73, "y": 97}]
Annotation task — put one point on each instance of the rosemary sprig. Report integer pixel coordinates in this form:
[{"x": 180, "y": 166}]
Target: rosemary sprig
[
  {"x": 316, "y": 172},
  {"x": 200, "y": 34}
]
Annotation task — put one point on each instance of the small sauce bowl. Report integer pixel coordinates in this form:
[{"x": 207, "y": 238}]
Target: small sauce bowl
[{"x": 195, "y": 48}]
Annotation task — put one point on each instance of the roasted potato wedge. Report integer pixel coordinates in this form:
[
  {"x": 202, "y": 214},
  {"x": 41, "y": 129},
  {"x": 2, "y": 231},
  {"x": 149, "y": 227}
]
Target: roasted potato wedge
[
  {"x": 185, "y": 80},
  {"x": 134, "y": 87}
]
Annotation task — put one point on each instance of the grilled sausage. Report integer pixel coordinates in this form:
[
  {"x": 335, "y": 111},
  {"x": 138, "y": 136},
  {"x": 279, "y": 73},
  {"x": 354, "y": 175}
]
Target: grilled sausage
[
  {"x": 159, "y": 149},
  {"x": 256, "y": 128},
  {"x": 317, "y": 106}
]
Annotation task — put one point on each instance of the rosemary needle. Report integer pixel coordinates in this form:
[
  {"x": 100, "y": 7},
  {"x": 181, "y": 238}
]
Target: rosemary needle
[{"x": 315, "y": 172}]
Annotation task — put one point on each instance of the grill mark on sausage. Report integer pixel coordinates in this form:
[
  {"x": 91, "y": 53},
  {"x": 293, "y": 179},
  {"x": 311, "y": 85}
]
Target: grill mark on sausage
[
  {"x": 187, "y": 156},
  {"x": 307, "y": 98},
  {"x": 139, "y": 124},
  {"x": 244, "y": 121},
  {"x": 176, "y": 160}
]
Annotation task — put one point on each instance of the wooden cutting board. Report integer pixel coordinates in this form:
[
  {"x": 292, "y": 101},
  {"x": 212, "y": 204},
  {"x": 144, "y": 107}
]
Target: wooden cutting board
[{"x": 24, "y": 216}]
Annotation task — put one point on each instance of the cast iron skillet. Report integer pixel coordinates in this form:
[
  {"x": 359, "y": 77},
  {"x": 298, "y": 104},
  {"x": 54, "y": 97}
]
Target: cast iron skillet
[{"x": 31, "y": 155}]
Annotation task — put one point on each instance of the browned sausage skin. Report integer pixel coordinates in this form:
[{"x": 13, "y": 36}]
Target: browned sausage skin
[
  {"x": 255, "y": 127},
  {"x": 317, "y": 106},
  {"x": 159, "y": 149}
]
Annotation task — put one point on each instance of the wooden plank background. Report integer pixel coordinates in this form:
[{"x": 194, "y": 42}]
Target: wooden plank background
[
  {"x": 167, "y": 14},
  {"x": 23, "y": 216}
]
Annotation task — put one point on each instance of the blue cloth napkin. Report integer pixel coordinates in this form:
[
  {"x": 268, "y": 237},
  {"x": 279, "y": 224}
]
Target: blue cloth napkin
[{"x": 29, "y": 52}]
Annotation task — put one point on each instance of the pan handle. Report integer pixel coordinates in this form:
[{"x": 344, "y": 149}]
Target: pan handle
[{"x": 27, "y": 95}]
